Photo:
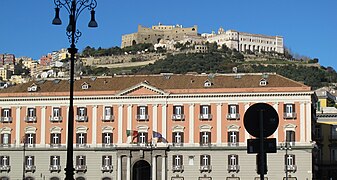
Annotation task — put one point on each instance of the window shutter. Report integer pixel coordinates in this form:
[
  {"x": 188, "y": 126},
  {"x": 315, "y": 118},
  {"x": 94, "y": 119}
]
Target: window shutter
[
  {"x": 84, "y": 160},
  {"x": 293, "y": 136},
  {"x": 173, "y": 160},
  {"x": 209, "y": 159},
  {"x": 103, "y": 160},
  {"x": 9, "y": 113},
  {"x": 182, "y": 109},
  {"x": 78, "y": 111},
  {"x": 103, "y": 138},
  {"x": 146, "y": 138},
  {"x": 285, "y": 159},
  {"x": 200, "y": 137},
  {"x": 33, "y": 160},
  {"x": 111, "y": 138},
  {"x": 34, "y": 138},
  {"x": 34, "y": 112},
  {"x": 237, "y": 137},
  {"x": 201, "y": 109},
  {"x": 51, "y": 138},
  {"x": 1, "y": 138},
  {"x": 182, "y": 137},
  {"x": 293, "y": 159},
  {"x": 77, "y": 138},
  {"x": 146, "y": 110},
  {"x": 293, "y": 107},
  {"x": 26, "y": 139},
  {"x": 138, "y": 110},
  {"x": 228, "y": 136},
  {"x": 9, "y": 139},
  {"x": 77, "y": 160},
  {"x": 284, "y": 108},
  {"x": 1, "y": 160},
  {"x": 229, "y": 159},
  {"x": 51, "y": 160},
  {"x": 209, "y": 109},
  {"x": 8, "y": 160},
  {"x": 173, "y": 137},
  {"x": 201, "y": 160},
  {"x": 181, "y": 159},
  {"x": 85, "y": 138},
  {"x": 209, "y": 134},
  {"x": 59, "y": 140},
  {"x": 237, "y": 159},
  {"x": 26, "y": 160}
]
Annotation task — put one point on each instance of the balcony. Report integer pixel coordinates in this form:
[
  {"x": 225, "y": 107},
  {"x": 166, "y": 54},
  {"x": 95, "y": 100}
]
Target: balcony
[
  {"x": 290, "y": 168},
  {"x": 30, "y": 118},
  {"x": 205, "y": 168},
  {"x": 177, "y": 168},
  {"x": 107, "y": 168},
  {"x": 233, "y": 144},
  {"x": 30, "y": 168},
  {"x": 5, "y": 168},
  {"x": 5, "y": 145},
  {"x": 84, "y": 145},
  {"x": 107, "y": 145},
  {"x": 291, "y": 115},
  {"x": 178, "y": 117},
  {"x": 55, "y": 118},
  {"x": 6, "y": 119},
  {"x": 142, "y": 117},
  {"x": 54, "y": 168},
  {"x": 234, "y": 116},
  {"x": 81, "y": 118},
  {"x": 108, "y": 118},
  {"x": 80, "y": 168},
  {"x": 233, "y": 168},
  {"x": 205, "y": 116},
  {"x": 177, "y": 144},
  {"x": 205, "y": 144},
  {"x": 55, "y": 145}
]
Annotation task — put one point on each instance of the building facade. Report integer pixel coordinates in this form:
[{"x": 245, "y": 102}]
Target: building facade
[
  {"x": 157, "y": 127},
  {"x": 156, "y": 33},
  {"x": 242, "y": 41}
]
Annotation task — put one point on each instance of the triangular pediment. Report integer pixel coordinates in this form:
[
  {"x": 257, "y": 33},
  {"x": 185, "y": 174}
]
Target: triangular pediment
[{"x": 141, "y": 89}]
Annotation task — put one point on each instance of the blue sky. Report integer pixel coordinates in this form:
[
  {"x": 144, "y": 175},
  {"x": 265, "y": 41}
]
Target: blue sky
[{"x": 309, "y": 27}]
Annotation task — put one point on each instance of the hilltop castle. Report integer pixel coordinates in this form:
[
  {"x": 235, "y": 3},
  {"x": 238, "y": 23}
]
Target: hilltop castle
[{"x": 232, "y": 39}]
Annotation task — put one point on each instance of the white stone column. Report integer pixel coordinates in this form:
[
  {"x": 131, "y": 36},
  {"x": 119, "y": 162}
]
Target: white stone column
[
  {"x": 308, "y": 121},
  {"x": 94, "y": 125},
  {"x": 218, "y": 123},
  {"x": 155, "y": 117},
  {"x": 18, "y": 121},
  {"x": 154, "y": 168},
  {"x": 164, "y": 119},
  {"x": 43, "y": 126},
  {"x": 163, "y": 168},
  {"x": 275, "y": 105},
  {"x": 120, "y": 124},
  {"x": 247, "y": 136},
  {"x": 128, "y": 168},
  {"x": 119, "y": 168},
  {"x": 302, "y": 122},
  {"x": 129, "y": 122},
  {"x": 191, "y": 124}
]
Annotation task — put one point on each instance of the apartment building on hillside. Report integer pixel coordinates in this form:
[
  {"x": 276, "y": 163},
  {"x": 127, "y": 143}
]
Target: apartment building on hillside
[{"x": 159, "y": 127}]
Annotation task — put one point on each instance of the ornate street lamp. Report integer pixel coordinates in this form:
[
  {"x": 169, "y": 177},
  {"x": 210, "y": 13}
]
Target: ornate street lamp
[{"x": 74, "y": 8}]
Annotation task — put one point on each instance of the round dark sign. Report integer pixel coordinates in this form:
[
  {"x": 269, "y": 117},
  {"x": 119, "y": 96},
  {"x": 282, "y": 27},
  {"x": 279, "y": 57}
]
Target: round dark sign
[{"x": 252, "y": 119}]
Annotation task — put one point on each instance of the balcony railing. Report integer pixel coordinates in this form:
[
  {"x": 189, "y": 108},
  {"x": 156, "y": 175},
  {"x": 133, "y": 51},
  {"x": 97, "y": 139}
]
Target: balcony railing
[
  {"x": 291, "y": 115},
  {"x": 81, "y": 168},
  {"x": 108, "y": 118},
  {"x": 30, "y": 118},
  {"x": 55, "y": 145},
  {"x": 205, "y": 116},
  {"x": 233, "y": 168},
  {"x": 142, "y": 117},
  {"x": 5, "y": 145},
  {"x": 233, "y": 144},
  {"x": 234, "y": 116},
  {"x": 81, "y": 118},
  {"x": 6, "y": 119},
  {"x": 30, "y": 168},
  {"x": 177, "y": 168},
  {"x": 107, "y": 168},
  {"x": 54, "y": 168},
  {"x": 5, "y": 168},
  {"x": 55, "y": 118},
  {"x": 107, "y": 145},
  {"x": 178, "y": 144},
  {"x": 205, "y": 168},
  {"x": 84, "y": 145},
  {"x": 291, "y": 168},
  {"x": 178, "y": 117}
]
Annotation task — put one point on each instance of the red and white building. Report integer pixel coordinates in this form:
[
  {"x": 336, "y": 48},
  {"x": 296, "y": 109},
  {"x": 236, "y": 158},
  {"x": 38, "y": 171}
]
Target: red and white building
[{"x": 155, "y": 127}]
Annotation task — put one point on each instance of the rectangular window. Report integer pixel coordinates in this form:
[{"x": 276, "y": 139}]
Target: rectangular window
[
  {"x": 290, "y": 137},
  {"x": 30, "y": 139},
  {"x": 142, "y": 113},
  {"x": 108, "y": 113},
  {"x": 54, "y": 160},
  {"x": 233, "y": 162},
  {"x": 205, "y": 138},
  {"x": 178, "y": 138},
  {"x": 233, "y": 138},
  {"x": 29, "y": 161},
  {"x": 82, "y": 114},
  {"x": 233, "y": 112},
  {"x": 6, "y": 112},
  {"x": 81, "y": 139},
  {"x": 177, "y": 162},
  {"x": 178, "y": 113},
  {"x": 289, "y": 160},
  {"x": 5, "y": 139},
  {"x": 31, "y": 112},
  {"x": 55, "y": 139},
  {"x": 205, "y": 162},
  {"x": 4, "y": 161},
  {"x": 107, "y": 139},
  {"x": 106, "y": 163},
  {"x": 205, "y": 112},
  {"x": 289, "y": 111},
  {"x": 333, "y": 135},
  {"x": 142, "y": 138},
  {"x": 80, "y": 163},
  {"x": 56, "y": 112}
]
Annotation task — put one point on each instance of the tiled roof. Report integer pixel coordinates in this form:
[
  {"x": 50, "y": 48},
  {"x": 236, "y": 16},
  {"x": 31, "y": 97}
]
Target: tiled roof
[{"x": 167, "y": 83}]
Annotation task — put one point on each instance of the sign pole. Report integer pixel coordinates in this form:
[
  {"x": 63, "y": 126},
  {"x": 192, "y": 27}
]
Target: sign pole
[{"x": 262, "y": 154}]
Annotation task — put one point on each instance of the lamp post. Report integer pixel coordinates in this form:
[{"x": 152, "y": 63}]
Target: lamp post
[
  {"x": 74, "y": 8},
  {"x": 286, "y": 146}
]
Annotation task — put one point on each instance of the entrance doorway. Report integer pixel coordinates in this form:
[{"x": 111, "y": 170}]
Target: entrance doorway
[{"x": 141, "y": 170}]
